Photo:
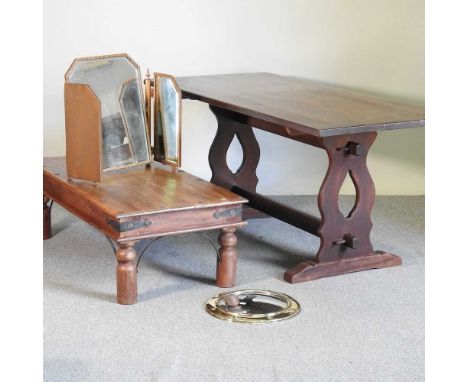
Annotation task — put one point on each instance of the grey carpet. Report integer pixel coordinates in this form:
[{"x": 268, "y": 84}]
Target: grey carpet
[{"x": 366, "y": 326}]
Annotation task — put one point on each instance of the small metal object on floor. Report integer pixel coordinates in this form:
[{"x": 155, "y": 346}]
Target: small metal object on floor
[{"x": 252, "y": 306}]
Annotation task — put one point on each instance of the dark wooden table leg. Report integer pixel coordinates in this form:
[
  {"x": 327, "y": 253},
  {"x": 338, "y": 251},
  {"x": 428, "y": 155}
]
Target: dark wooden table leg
[
  {"x": 228, "y": 128},
  {"x": 245, "y": 176},
  {"x": 227, "y": 260},
  {"x": 344, "y": 240},
  {"x": 47, "y": 219},
  {"x": 126, "y": 274}
]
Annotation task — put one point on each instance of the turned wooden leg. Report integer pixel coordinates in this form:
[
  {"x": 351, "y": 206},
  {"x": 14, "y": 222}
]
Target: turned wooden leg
[
  {"x": 227, "y": 260},
  {"x": 47, "y": 220},
  {"x": 126, "y": 274},
  {"x": 345, "y": 244}
]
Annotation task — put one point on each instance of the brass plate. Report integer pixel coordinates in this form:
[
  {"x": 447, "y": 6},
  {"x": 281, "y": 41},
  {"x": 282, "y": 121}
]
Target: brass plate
[{"x": 253, "y": 306}]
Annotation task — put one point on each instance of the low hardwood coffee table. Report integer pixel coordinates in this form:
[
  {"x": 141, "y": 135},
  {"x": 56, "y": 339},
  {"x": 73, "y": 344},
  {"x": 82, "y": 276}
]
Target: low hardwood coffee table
[
  {"x": 341, "y": 121},
  {"x": 143, "y": 203}
]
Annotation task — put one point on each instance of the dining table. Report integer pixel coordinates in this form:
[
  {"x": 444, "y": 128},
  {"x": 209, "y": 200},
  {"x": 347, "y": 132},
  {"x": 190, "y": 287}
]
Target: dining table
[{"x": 342, "y": 121}]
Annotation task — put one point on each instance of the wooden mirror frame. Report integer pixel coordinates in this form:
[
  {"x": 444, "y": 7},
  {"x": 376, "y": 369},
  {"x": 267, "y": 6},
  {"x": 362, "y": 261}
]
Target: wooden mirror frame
[{"x": 156, "y": 105}]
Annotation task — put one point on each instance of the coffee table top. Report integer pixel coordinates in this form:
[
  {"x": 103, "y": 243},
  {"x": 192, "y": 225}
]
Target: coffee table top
[
  {"x": 305, "y": 106},
  {"x": 140, "y": 190}
]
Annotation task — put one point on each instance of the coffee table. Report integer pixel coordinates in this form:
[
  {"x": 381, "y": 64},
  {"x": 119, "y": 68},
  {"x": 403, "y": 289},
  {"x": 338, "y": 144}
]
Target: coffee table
[
  {"x": 146, "y": 203},
  {"x": 341, "y": 121}
]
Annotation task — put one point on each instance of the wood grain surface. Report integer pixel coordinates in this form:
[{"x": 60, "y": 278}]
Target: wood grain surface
[
  {"x": 83, "y": 131},
  {"x": 137, "y": 191},
  {"x": 304, "y": 106}
]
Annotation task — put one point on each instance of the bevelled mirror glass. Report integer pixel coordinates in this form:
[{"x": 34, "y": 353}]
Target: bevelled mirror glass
[
  {"x": 167, "y": 114},
  {"x": 116, "y": 82}
]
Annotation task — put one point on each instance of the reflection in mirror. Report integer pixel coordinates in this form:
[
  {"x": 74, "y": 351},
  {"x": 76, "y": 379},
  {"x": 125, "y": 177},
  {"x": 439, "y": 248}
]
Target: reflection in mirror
[
  {"x": 251, "y": 303},
  {"x": 167, "y": 113},
  {"x": 252, "y": 306},
  {"x": 115, "y": 80}
]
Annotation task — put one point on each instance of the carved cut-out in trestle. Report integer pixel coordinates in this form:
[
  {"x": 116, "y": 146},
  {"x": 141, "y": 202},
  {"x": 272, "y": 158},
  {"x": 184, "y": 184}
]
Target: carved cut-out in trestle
[
  {"x": 235, "y": 156},
  {"x": 347, "y": 196}
]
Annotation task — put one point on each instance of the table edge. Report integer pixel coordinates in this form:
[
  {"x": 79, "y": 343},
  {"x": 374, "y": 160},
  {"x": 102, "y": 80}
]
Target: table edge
[{"x": 306, "y": 130}]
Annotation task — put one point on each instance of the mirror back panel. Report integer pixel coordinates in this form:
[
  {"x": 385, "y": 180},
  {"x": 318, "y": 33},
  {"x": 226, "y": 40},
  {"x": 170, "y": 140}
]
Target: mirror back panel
[{"x": 115, "y": 80}]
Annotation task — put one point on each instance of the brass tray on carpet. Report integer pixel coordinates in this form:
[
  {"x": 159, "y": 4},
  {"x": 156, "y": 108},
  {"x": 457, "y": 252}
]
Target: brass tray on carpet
[{"x": 252, "y": 306}]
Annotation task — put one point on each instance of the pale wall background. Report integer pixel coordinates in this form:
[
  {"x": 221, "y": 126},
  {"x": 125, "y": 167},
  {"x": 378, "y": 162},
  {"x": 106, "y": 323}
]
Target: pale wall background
[{"x": 375, "y": 45}]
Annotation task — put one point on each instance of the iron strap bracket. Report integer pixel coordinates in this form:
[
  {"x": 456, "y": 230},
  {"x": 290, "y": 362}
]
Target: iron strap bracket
[
  {"x": 233, "y": 212},
  {"x": 128, "y": 226}
]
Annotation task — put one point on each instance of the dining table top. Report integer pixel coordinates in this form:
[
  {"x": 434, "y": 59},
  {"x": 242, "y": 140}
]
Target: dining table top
[{"x": 302, "y": 105}]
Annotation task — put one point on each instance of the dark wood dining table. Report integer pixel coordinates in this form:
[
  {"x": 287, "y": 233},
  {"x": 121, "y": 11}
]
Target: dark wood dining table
[{"x": 342, "y": 121}]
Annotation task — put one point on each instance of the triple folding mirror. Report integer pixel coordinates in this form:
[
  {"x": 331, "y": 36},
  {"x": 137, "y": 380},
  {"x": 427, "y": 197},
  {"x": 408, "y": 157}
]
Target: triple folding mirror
[{"x": 109, "y": 119}]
